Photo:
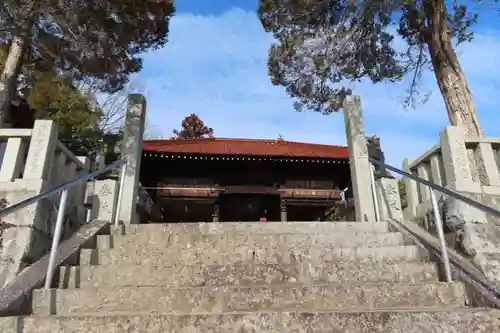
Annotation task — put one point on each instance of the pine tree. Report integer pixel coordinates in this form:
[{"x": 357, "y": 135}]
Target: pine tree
[
  {"x": 192, "y": 127},
  {"x": 321, "y": 45},
  {"x": 80, "y": 39}
]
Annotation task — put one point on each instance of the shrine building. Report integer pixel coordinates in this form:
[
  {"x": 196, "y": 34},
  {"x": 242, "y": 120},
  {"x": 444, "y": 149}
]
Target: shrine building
[{"x": 217, "y": 179}]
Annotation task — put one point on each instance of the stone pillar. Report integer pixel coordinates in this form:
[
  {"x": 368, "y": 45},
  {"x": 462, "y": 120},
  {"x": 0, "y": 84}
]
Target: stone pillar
[
  {"x": 283, "y": 210},
  {"x": 216, "y": 212},
  {"x": 423, "y": 172},
  {"x": 456, "y": 164},
  {"x": 358, "y": 158},
  {"x": 389, "y": 199},
  {"x": 411, "y": 191},
  {"x": 437, "y": 172},
  {"x": 12, "y": 163},
  {"x": 81, "y": 189},
  {"x": 41, "y": 150},
  {"x": 132, "y": 150},
  {"x": 458, "y": 177}
]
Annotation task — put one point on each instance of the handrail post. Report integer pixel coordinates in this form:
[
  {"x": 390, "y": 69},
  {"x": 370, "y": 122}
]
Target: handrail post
[
  {"x": 56, "y": 238},
  {"x": 120, "y": 195},
  {"x": 374, "y": 193},
  {"x": 442, "y": 241}
]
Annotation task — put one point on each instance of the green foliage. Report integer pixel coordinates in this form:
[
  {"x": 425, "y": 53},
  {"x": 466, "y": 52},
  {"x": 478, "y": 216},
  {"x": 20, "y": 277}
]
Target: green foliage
[
  {"x": 53, "y": 97},
  {"x": 97, "y": 39},
  {"x": 322, "y": 46},
  {"x": 192, "y": 127}
]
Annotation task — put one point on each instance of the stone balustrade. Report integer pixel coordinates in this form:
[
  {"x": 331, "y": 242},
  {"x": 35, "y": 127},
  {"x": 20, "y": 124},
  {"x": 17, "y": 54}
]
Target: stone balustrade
[
  {"x": 462, "y": 163},
  {"x": 470, "y": 166},
  {"x": 34, "y": 161}
]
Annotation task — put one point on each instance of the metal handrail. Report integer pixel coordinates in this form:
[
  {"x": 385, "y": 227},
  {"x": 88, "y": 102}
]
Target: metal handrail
[
  {"x": 64, "y": 189},
  {"x": 435, "y": 207},
  {"x": 473, "y": 203},
  {"x": 470, "y": 274}
]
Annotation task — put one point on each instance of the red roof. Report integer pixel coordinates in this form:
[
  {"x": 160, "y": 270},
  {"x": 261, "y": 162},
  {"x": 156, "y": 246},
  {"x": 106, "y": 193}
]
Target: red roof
[{"x": 255, "y": 147}]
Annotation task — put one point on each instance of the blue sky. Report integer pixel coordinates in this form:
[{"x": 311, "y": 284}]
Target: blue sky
[{"x": 215, "y": 65}]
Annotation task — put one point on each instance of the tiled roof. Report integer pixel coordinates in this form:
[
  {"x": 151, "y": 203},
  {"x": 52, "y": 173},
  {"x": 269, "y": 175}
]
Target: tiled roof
[{"x": 254, "y": 147}]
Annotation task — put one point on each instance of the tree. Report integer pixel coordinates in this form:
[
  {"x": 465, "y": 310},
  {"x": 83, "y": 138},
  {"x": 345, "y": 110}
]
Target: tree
[
  {"x": 192, "y": 127},
  {"x": 54, "y": 97},
  {"x": 322, "y": 44},
  {"x": 81, "y": 39}
]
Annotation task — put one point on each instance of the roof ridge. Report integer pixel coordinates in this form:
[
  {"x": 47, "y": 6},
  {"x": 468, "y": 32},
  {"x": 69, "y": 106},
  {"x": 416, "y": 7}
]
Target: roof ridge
[
  {"x": 203, "y": 140},
  {"x": 256, "y": 147}
]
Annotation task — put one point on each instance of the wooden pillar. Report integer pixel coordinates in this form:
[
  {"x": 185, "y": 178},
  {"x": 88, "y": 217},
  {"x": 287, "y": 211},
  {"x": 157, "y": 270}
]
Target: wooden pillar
[
  {"x": 216, "y": 212},
  {"x": 283, "y": 209}
]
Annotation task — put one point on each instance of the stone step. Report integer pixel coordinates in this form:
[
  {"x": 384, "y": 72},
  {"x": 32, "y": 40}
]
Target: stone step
[
  {"x": 258, "y": 227},
  {"x": 457, "y": 321},
  {"x": 200, "y": 275},
  {"x": 225, "y": 240},
  {"x": 223, "y": 299},
  {"x": 265, "y": 253}
]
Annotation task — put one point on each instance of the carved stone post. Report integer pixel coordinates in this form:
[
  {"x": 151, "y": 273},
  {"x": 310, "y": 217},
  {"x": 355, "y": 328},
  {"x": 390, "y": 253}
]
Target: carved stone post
[
  {"x": 389, "y": 199},
  {"x": 358, "y": 158},
  {"x": 283, "y": 209},
  {"x": 132, "y": 150},
  {"x": 41, "y": 150},
  {"x": 456, "y": 164}
]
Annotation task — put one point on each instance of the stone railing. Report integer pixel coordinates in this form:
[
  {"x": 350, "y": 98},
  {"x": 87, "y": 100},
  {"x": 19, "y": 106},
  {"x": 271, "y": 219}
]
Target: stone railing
[
  {"x": 34, "y": 161},
  {"x": 472, "y": 166},
  {"x": 469, "y": 166}
]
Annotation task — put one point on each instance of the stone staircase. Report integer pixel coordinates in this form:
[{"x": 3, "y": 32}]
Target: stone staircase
[{"x": 321, "y": 277}]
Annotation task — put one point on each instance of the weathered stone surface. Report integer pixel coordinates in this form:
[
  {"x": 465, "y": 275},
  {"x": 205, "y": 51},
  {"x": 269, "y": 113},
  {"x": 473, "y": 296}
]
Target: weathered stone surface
[
  {"x": 105, "y": 194},
  {"x": 389, "y": 200},
  {"x": 463, "y": 321},
  {"x": 359, "y": 163},
  {"x": 457, "y": 213},
  {"x": 200, "y": 275},
  {"x": 270, "y": 253},
  {"x": 259, "y": 228},
  {"x": 220, "y": 299},
  {"x": 131, "y": 149},
  {"x": 228, "y": 240}
]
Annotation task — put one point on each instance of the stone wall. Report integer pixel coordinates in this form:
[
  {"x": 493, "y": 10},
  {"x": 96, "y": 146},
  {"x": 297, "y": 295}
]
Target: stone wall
[{"x": 469, "y": 166}]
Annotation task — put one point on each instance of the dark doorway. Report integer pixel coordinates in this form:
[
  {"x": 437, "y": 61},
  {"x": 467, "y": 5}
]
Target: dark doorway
[
  {"x": 183, "y": 210},
  {"x": 249, "y": 207}
]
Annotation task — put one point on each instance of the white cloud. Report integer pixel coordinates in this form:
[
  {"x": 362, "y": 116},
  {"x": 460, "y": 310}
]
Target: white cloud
[{"x": 216, "y": 66}]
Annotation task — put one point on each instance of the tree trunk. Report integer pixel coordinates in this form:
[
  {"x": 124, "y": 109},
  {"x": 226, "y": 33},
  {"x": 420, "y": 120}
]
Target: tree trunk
[
  {"x": 10, "y": 74},
  {"x": 449, "y": 74}
]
